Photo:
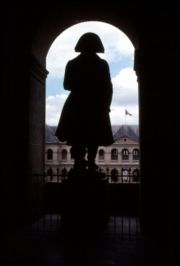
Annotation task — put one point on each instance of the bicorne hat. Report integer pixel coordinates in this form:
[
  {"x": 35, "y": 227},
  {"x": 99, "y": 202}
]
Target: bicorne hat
[{"x": 89, "y": 42}]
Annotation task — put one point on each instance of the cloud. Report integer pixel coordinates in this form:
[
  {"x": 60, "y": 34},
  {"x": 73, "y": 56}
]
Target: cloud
[
  {"x": 125, "y": 87},
  {"x": 125, "y": 96},
  {"x": 116, "y": 43},
  {"x": 54, "y": 106}
]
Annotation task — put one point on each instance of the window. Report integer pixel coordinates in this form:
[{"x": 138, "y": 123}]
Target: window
[
  {"x": 101, "y": 155},
  {"x": 114, "y": 175},
  {"x": 125, "y": 175},
  {"x": 125, "y": 154},
  {"x": 114, "y": 154},
  {"x": 135, "y": 154},
  {"x": 135, "y": 175},
  {"x": 49, "y": 154},
  {"x": 64, "y": 155}
]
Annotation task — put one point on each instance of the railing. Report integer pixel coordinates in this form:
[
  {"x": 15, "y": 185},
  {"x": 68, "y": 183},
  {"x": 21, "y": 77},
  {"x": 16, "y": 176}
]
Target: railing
[
  {"x": 113, "y": 177},
  {"x": 123, "y": 203}
]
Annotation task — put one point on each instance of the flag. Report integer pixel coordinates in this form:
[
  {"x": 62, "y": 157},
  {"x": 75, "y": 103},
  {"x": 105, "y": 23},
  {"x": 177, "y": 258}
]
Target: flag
[{"x": 127, "y": 113}]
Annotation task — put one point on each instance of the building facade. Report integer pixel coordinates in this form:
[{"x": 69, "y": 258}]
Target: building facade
[{"x": 120, "y": 161}]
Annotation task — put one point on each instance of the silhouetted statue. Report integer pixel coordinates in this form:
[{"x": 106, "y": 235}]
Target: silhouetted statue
[{"x": 85, "y": 123}]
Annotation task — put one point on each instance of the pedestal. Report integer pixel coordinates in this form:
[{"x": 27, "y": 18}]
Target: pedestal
[{"x": 85, "y": 204}]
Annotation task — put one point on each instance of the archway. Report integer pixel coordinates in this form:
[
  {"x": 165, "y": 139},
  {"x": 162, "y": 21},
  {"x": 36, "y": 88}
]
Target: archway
[
  {"x": 38, "y": 81},
  {"x": 119, "y": 53},
  {"x": 37, "y": 99}
]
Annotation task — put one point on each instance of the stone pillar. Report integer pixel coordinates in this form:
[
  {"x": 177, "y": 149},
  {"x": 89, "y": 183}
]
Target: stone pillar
[
  {"x": 36, "y": 137},
  {"x": 155, "y": 65},
  {"x": 37, "y": 117}
]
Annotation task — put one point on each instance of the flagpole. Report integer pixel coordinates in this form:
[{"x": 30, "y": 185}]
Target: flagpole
[
  {"x": 125, "y": 118},
  {"x": 126, "y": 113}
]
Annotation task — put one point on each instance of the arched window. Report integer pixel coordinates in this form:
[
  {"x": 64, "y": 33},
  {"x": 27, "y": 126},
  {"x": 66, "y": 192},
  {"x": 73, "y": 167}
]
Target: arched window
[
  {"x": 135, "y": 175},
  {"x": 125, "y": 175},
  {"x": 114, "y": 154},
  {"x": 114, "y": 175},
  {"x": 49, "y": 154},
  {"x": 64, "y": 155},
  {"x": 125, "y": 154},
  {"x": 101, "y": 155},
  {"x": 135, "y": 154}
]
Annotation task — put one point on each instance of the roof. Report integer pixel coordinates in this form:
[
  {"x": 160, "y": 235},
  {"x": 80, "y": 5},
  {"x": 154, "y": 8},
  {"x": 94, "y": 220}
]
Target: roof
[
  {"x": 119, "y": 131},
  {"x": 50, "y": 134},
  {"x": 129, "y": 131}
]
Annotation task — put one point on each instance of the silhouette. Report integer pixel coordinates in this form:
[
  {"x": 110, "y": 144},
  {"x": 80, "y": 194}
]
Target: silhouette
[{"x": 84, "y": 122}]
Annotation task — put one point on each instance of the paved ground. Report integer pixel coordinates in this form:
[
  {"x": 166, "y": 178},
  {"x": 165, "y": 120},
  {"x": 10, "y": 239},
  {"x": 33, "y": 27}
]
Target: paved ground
[{"x": 51, "y": 247}]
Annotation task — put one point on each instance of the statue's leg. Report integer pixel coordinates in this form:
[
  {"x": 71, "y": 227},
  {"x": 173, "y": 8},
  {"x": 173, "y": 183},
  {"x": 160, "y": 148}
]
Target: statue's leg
[
  {"x": 78, "y": 152},
  {"x": 92, "y": 151}
]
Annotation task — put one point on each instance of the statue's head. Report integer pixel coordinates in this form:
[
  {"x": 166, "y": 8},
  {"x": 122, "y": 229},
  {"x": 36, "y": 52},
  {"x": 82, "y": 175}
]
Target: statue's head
[{"x": 89, "y": 42}]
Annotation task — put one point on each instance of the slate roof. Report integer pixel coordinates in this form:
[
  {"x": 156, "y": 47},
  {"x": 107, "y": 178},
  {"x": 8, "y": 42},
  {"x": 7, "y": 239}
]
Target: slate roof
[
  {"x": 50, "y": 134},
  {"x": 119, "y": 131},
  {"x": 130, "y": 131}
]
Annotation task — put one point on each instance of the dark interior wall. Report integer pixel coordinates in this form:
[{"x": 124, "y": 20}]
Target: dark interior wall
[
  {"x": 153, "y": 30},
  {"x": 158, "y": 88},
  {"x": 17, "y": 42}
]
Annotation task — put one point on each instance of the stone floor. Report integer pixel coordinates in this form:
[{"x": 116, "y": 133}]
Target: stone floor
[{"x": 43, "y": 243}]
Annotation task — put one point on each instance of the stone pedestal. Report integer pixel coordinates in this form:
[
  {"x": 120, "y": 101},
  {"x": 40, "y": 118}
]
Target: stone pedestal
[{"x": 85, "y": 204}]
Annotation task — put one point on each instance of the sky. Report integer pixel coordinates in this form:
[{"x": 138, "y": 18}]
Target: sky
[{"x": 119, "y": 53}]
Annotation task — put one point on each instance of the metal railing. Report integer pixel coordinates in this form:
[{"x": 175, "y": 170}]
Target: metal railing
[
  {"x": 48, "y": 200},
  {"x": 112, "y": 175}
]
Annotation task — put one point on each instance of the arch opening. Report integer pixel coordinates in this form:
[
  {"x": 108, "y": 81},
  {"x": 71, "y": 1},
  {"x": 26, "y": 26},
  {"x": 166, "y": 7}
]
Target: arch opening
[
  {"x": 119, "y": 53},
  {"x": 121, "y": 111}
]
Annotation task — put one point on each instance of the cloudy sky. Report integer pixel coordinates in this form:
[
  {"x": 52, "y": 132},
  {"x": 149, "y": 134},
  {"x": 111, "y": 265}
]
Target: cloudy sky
[{"x": 119, "y": 53}]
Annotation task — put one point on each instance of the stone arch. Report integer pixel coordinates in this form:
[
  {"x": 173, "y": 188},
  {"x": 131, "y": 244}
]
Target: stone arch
[{"x": 45, "y": 36}]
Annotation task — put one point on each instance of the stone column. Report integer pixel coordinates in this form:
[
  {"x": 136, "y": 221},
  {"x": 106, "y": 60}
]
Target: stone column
[
  {"x": 37, "y": 117},
  {"x": 36, "y": 137}
]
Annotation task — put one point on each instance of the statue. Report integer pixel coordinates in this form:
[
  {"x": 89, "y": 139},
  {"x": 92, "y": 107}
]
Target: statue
[{"x": 84, "y": 122}]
